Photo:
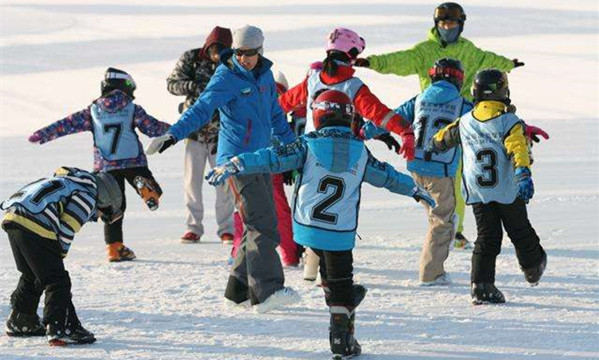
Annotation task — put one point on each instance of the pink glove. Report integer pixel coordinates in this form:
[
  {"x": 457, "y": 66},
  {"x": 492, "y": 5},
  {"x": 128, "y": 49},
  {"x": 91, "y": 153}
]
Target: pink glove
[
  {"x": 532, "y": 133},
  {"x": 36, "y": 137},
  {"x": 407, "y": 145}
]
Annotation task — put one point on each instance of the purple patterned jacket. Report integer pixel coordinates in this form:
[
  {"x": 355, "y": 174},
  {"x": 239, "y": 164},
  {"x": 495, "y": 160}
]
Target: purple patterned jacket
[{"x": 82, "y": 121}]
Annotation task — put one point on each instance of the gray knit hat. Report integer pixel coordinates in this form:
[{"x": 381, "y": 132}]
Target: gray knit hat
[{"x": 249, "y": 37}]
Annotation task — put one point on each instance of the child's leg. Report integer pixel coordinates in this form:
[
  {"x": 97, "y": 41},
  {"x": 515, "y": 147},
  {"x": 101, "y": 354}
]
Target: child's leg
[
  {"x": 526, "y": 242},
  {"x": 143, "y": 182},
  {"x": 488, "y": 242},
  {"x": 440, "y": 231},
  {"x": 339, "y": 270},
  {"x": 287, "y": 247},
  {"x": 113, "y": 233},
  {"x": 26, "y": 297}
]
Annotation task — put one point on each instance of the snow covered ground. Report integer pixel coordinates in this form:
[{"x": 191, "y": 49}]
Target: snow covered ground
[{"x": 168, "y": 303}]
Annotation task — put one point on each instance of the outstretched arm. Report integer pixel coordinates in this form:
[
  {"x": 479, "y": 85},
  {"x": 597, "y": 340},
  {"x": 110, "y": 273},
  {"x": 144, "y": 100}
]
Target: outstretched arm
[
  {"x": 74, "y": 123},
  {"x": 147, "y": 124}
]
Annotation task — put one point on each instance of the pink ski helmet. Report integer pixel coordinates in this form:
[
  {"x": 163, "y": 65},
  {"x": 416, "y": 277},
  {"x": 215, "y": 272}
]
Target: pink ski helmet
[{"x": 345, "y": 40}]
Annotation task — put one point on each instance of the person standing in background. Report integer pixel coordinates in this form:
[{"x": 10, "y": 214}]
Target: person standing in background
[{"x": 189, "y": 78}]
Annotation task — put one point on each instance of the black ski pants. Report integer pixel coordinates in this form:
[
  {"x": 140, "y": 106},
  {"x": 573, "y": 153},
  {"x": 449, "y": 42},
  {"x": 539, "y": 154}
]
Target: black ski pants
[
  {"x": 114, "y": 232},
  {"x": 42, "y": 268},
  {"x": 489, "y": 220},
  {"x": 336, "y": 272}
]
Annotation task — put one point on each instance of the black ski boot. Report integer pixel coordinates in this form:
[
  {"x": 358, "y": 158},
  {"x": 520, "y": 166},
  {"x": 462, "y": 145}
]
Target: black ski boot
[
  {"x": 533, "y": 274},
  {"x": 20, "y": 324},
  {"x": 341, "y": 333},
  {"x": 61, "y": 333},
  {"x": 358, "y": 290},
  {"x": 486, "y": 293}
]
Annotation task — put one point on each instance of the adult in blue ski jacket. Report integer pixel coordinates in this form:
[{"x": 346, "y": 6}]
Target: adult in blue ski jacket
[{"x": 244, "y": 92}]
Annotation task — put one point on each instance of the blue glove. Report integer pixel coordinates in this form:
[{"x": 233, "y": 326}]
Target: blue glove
[
  {"x": 219, "y": 174},
  {"x": 526, "y": 188},
  {"x": 422, "y": 195}
]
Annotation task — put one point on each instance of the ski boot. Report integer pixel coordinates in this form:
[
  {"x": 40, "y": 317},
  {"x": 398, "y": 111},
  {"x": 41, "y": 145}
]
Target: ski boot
[
  {"x": 20, "y": 324},
  {"x": 533, "y": 274},
  {"x": 486, "y": 293},
  {"x": 461, "y": 243},
  {"x": 341, "y": 333},
  {"x": 119, "y": 252},
  {"x": 358, "y": 290},
  {"x": 149, "y": 190},
  {"x": 72, "y": 333}
]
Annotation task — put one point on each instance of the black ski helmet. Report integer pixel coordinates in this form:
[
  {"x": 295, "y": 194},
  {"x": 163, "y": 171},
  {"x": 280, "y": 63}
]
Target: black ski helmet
[
  {"x": 447, "y": 69},
  {"x": 450, "y": 11},
  {"x": 117, "y": 79},
  {"x": 491, "y": 84}
]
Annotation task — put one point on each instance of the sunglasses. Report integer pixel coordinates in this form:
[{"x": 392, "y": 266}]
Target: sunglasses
[{"x": 249, "y": 52}]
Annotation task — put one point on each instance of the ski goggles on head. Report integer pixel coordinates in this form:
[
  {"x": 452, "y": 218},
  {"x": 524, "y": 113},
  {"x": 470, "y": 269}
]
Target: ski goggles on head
[
  {"x": 248, "y": 52},
  {"x": 128, "y": 79},
  {"x": 446, "y": 71},
  {"x": 331, "y": 106},
  {"x": 449, "y": 13}
]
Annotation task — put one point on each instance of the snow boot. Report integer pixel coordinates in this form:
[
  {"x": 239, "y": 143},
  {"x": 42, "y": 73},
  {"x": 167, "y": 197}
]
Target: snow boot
[
  {"x": 20, "y": 324},
  {"x": 486, "y": 293},
  {"x": 70, "y": 333},
  {"x": 149, "y": 190},
  {"x": 533, "y": 274},
  {"x": 341, "y": 333},
  {"x": 119, "y": 252}
]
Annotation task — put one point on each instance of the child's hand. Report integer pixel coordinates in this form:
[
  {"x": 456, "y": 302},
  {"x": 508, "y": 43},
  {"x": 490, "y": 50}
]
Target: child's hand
[
  {"x": 36, "y": 137},
  {"x": 219, "y": 174},
  {"x": 422, "y": 195},
  {"x": 407, "y": 145},
  {"x": 532, "y": 133},
  {"x": 526, "y": 188}
]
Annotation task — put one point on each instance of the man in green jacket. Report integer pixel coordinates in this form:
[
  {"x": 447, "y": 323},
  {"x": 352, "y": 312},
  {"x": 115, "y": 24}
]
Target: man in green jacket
[{"x": 444, "y": 41}]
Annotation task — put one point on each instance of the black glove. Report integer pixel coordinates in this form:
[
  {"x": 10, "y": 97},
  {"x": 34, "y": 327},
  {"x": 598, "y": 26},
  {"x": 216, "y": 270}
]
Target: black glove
[
  {"x": 362, "y": 62},
  {"x": 517, "y": 63},
  {"x": 390, "y": 141},
  {"x": 288, "y": 177}
]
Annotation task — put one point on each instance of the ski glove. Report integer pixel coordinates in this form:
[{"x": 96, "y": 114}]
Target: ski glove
[
  {"x": 526, "y": 188},
  {"x": 219, "y": 174},
  {"x": 289, "y": 177},
  {"x": 517, "y": 63},
  {"x": 533, "y": 132},
  {"x": 407, "y": 145},
  {"x": 422, "y": 195},
  {"x": 362, "y": 62},
  {"x": 390, "y": 141},
  {"x": 36, "y": 137},
  {"x": 160, "y": 144}
]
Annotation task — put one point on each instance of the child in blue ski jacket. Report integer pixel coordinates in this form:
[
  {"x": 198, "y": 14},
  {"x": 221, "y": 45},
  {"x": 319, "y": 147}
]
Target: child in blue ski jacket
[{"x": 334, "y": 162}]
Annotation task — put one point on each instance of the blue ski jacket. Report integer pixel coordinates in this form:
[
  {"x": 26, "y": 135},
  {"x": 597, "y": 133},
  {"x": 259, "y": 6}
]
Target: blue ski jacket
[
  {"x": 248, "y": 105},
  {"x": 328, "y": 152}
]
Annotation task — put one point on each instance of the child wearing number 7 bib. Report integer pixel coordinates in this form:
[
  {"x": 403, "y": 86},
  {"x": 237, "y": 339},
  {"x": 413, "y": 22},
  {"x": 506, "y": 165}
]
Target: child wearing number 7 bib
[{"x": 112, "y": 119}]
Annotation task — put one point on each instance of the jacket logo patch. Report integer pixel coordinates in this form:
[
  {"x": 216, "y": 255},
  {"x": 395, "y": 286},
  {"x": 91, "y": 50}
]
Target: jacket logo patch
[{"x": 246, "y": 91}]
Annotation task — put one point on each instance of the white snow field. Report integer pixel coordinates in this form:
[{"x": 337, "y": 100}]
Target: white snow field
[{"x": 167, "y": 304}]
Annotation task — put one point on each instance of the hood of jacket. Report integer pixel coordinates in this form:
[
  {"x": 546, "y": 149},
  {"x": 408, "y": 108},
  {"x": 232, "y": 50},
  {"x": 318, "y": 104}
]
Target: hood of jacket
[
  {"x": 113, "y": 101},
  {"x": 335, "y": 148},
  {"x": 440, "y": 92},
  {"x": 218, "y": 35}
]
